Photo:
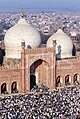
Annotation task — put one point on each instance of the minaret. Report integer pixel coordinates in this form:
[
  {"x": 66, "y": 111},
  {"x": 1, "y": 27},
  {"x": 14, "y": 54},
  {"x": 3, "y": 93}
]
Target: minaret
[
  {"x": 2, "y": 52},
  {"x": 75, "y": 42},
  {"x": 74, "y": 38},
  {"x": 23, "y": 66},
  {"x": 60, "y": 24},
  {"x": 2, "y": 45}
]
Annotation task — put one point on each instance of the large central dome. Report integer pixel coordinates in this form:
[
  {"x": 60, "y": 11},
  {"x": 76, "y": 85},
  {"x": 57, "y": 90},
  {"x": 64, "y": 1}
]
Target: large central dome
[{"x": 14, "y": 36}]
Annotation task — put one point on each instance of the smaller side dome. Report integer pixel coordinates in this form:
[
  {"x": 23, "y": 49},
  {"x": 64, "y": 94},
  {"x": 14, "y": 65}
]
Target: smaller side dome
[{"x": 64, "y": 44}]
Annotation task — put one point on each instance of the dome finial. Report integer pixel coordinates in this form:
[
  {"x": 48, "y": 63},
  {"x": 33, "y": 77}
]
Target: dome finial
[
  {"x": 60, "y": 24},
  {"x": 22, "y": 13}
]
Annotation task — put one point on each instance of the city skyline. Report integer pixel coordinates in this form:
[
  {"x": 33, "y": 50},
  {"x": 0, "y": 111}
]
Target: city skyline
[{"x": 46, "y": 5}]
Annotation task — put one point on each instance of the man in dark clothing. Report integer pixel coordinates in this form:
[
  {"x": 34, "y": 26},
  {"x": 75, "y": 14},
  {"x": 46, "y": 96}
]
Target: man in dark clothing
[{"x": 2, "y": 54}]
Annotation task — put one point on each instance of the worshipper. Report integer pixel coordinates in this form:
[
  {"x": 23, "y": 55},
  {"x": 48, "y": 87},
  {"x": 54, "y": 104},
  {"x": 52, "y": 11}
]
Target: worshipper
[{"x": 42, "y": 103}]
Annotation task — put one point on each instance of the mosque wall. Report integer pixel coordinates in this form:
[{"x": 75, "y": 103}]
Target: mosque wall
[
  {"x": 10, "y": 74},
  {"x": 44, "y": 62},
  {"x": 69, "y": 67}
]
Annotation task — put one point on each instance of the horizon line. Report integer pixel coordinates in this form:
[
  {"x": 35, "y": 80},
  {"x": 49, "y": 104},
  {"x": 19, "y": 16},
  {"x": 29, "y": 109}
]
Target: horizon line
[{"x": 37, "y": 10}]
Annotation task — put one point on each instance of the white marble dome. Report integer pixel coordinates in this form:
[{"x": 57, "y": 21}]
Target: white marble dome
[
  {"x": 14, "y": 36},
  {"x": 64, "y": 44}
]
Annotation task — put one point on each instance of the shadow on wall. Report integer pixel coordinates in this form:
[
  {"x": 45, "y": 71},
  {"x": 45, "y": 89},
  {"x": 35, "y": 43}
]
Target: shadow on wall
[
  {"x": 58, "y": 55},
  {"x": 2, "y": 54},
  {"x": 29, "y": 47},
  {"x": 74, "y": 50}
]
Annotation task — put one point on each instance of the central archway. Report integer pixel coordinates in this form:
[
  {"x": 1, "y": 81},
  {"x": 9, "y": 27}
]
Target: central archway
[{"x": 39, "y": 73}]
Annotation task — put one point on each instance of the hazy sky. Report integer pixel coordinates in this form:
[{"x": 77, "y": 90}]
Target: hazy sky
[{"x": 38, "y": 4}]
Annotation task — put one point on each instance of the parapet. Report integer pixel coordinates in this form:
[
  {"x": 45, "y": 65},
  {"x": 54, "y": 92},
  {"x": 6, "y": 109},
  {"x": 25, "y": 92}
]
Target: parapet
[
  {"x": 39, "y": 50},
  {"x": 71, "y": 60},
  {"x": 10, "y": 67}
]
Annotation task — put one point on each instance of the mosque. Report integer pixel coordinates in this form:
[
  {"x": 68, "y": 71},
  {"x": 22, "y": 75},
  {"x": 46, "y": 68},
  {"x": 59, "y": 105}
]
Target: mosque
[{"x": 27, "y": 63}]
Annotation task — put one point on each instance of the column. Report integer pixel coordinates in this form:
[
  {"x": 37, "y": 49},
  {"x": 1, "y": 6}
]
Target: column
[
  {"x": 23, "y": 67},
  {"x": 18, "y": 87},
  {"x": 63, "y": 81},
  {"x": 27, "y": 79},
  {"x": 53, "y": 66},
  {"x": 72, "y": 81},
  {"x": 8, "y": 87}
]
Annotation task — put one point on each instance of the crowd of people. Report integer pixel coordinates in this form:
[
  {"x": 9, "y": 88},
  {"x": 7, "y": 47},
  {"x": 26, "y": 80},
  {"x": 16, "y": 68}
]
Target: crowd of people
[{"x": 42, "y": 103}]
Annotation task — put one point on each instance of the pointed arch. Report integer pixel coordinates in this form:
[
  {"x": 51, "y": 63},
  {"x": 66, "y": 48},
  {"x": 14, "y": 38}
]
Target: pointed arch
[
  {"x": 3, "y": 89},
  {"x": 76, "y": 79},
  {"x": 67, "y": 80},
  {"x": 58, "y": 81},
  {"x": 14, "y": 87},
  {"x": 40, "y": 69}
]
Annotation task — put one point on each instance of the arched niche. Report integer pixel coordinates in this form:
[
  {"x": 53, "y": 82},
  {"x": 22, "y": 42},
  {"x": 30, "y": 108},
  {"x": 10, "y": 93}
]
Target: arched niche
[
  {"x": 58, "y": 81},
  {"x": 67, "y": 80},
  {"x": 4, "y": 89},
  {"x": 76, "y": 79},
  {"x": 14, "y": 87}
]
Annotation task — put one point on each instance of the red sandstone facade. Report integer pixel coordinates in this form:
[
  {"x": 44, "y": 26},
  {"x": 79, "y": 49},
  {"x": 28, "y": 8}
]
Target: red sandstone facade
[{"x": 41, "y": 64}]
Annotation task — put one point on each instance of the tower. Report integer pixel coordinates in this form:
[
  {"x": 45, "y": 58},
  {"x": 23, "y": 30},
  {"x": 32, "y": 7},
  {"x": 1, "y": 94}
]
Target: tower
[
  {"x": 74, "y": 38},
  {"x": 75, "y": 42}
]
